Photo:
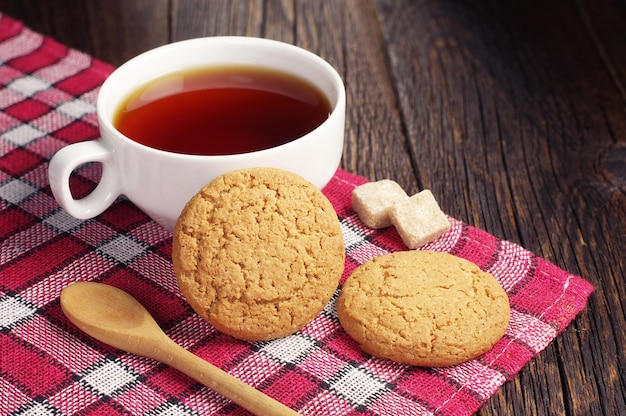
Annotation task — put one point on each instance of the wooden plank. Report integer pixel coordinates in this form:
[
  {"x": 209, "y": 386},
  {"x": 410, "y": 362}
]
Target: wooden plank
[
  {"x": 375, "y": 146},
  {"x": 111, "y": 30},
  {"x": 508, "y": 117},
  {"x": 196, "y": 18}
]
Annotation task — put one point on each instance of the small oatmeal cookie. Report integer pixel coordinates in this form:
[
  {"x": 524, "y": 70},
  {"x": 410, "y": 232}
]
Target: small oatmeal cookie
[
  {"x": 258, "y": 253},
  {"x": 423, "y": 308}
]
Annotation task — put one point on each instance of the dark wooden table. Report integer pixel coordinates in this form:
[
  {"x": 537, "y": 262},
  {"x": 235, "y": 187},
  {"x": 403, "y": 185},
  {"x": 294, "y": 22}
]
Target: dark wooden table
[{"x": 512, "y": 112}]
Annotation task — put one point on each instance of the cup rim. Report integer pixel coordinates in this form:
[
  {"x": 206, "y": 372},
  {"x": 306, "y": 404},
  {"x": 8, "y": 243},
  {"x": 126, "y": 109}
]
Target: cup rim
[{"x": 338, "y": 105}]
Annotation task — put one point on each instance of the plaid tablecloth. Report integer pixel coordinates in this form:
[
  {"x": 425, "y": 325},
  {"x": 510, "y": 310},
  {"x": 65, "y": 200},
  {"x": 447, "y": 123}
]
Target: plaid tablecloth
[{"x": 48, "y": 367}]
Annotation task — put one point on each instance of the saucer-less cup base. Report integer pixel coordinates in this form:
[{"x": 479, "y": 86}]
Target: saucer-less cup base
[{"x": 160, "y": 183}]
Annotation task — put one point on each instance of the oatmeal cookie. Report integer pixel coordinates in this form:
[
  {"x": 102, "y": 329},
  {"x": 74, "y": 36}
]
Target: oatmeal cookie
[
  {"x": 258, "y": 253},
  {"x": 423, "y": 308}
]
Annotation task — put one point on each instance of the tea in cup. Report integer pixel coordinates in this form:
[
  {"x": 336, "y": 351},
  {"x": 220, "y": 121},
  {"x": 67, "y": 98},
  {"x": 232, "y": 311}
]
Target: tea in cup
[{"x": 174, "y": 118}]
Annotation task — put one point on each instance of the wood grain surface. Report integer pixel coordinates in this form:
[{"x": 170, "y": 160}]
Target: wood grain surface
[{"x": 512, "y": 112}]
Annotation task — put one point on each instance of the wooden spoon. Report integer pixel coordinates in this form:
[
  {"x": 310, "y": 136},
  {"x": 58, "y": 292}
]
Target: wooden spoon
[{"x": 112, "y": 316}]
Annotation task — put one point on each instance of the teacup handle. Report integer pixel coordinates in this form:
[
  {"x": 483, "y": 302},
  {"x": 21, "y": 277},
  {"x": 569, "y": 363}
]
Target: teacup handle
[{"x": 66, "y": 160}]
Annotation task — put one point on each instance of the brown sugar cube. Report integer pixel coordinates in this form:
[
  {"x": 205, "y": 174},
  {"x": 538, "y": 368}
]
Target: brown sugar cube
[
  {"x": 419, "y": 220},
  {"x": 372, "y": 201}
]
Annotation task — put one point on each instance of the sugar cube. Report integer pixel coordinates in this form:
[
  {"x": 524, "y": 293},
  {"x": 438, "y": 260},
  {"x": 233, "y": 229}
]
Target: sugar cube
[
  {"x": 373, "y": 200},
  {"x": 419, "y": 220}
]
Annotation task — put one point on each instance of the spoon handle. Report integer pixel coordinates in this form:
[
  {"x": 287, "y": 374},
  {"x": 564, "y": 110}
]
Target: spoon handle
[{"x": 223, "y": 383}]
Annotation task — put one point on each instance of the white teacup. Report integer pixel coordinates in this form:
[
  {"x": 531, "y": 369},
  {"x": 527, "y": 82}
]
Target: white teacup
[{"x": 160, "y": 183}]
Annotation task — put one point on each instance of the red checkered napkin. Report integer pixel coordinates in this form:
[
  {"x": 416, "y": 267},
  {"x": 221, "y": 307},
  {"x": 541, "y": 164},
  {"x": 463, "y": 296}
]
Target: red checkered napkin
[{"x": 48, "y": 367}]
